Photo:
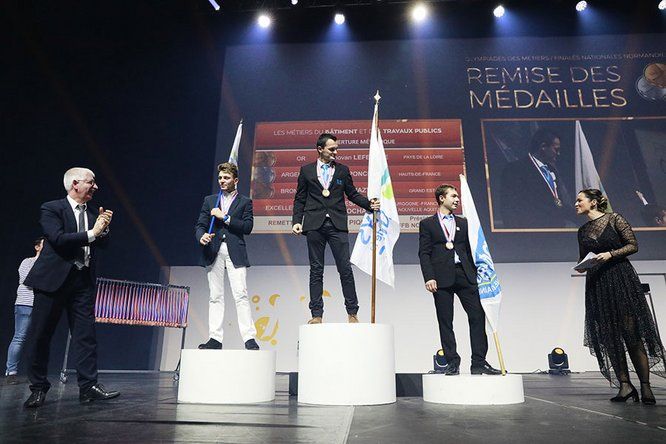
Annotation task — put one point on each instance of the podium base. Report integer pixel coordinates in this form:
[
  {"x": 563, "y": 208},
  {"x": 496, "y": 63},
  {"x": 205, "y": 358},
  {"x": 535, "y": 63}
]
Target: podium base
[
  {"x": 473, "y": 389},
  {"x": 226, "y": 376},
  {"x": 346, "y": 364}
]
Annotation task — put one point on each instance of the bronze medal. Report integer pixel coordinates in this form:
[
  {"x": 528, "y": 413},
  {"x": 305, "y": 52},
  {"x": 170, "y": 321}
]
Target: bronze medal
[
  {"x": 558, "y": 202},
  {"x": 449, "y": 245},
  {"x": 325, "y": 193}
]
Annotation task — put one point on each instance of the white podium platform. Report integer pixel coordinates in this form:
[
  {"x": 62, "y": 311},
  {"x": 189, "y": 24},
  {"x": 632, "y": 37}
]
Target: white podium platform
[
  {"x": 346, "y": 364},
  {"x": 226, "y": 376},
  {"x": 473, "y": 389}
]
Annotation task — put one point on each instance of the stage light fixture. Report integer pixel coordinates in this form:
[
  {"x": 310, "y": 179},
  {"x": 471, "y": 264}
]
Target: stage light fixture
[
  {"x": 264, "y": 20},
  {"x": 662, "y": 5},
  {"x": 498, "y": 11},
  {"x": 419, "y": 12},
  {"x": 558, "y": 362},
  {"x": 294, "y": 2},
  {"x": 581, "y": 6},
  {"x": 439, "y": 361},
  {"x": 214, "y": 4},
  {"x": 339, "y": 18}
]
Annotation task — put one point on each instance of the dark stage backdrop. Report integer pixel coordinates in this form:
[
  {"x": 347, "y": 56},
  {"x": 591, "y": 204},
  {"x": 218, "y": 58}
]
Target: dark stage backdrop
[
  {"x": 131, "y": 92},
  {"x": 134, "y": 90}
]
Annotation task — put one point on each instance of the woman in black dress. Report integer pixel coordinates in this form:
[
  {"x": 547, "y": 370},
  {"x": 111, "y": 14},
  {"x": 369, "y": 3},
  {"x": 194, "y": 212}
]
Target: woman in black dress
[{"x": 617, "y": 318}]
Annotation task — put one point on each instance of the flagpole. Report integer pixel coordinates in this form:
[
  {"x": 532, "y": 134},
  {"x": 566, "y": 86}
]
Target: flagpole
[
  {"x": 374, "y": 228},
  {"x": 374, "y": 266},
  {"x": 499, "y": 353}
]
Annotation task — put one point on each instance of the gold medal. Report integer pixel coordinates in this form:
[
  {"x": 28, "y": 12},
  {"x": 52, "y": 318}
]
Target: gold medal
[
  {"x": 449, "y": 245},
  {"x": 558, "y": 202},
  {"x": 325, "y": 193}
]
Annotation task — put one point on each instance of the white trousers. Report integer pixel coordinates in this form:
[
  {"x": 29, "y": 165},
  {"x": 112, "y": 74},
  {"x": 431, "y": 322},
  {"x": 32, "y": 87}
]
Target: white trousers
[{"x": 237, "y": 279}]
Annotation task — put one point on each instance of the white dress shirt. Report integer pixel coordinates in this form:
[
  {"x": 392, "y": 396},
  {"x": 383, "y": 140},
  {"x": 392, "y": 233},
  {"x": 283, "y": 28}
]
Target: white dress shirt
[{"x": 91, "y": 236}]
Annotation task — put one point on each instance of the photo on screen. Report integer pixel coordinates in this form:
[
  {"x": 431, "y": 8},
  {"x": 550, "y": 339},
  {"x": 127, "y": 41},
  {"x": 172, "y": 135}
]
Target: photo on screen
[{"x": 535, "y": 168}]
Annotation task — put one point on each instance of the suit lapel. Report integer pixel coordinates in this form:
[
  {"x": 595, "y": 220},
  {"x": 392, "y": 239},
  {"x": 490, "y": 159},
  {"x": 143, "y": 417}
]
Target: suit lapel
[
  {"x": 69, "y": 220},
  {"x": 336, "y": 174},
  {"x": 235, "y": 204},
  {"x": 437, "y": 227},
  {"x": 313, "y": 174}
]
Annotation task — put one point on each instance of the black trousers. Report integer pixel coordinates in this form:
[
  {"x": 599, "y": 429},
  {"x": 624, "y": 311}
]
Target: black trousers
[
  {"x": 339, "y": 243},
  {"x": 77, "y": 297},
  {"x": 469, "y": 298}
]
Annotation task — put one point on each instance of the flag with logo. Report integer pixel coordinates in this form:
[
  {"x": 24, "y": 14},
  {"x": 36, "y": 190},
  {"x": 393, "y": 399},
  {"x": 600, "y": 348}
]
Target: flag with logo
[
  {"x": 490, "y": 291},
  {"x": 388, "y": 224}
]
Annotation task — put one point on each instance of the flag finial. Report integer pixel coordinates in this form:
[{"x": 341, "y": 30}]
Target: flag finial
[{"x": 377, "y": 97}]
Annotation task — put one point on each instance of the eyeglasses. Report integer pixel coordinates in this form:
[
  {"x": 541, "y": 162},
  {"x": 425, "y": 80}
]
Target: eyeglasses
[{"x": 88, "y": 181}]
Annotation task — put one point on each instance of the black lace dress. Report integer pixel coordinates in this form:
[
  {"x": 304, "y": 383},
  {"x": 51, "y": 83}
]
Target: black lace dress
[{"x": 617, "y": 317}]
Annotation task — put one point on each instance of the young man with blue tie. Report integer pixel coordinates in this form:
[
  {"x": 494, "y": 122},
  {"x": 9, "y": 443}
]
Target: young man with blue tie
[{"x": 320, "y": 213}]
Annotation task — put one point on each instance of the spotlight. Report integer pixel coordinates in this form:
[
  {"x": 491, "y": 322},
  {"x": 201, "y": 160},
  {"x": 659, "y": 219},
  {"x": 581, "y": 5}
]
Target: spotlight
[
  {"x": 558, "y": 362},
  {"x": 662, "y": 5},
  {"x": 214, "y": 4},
  {"x": 294, "y": 2},
  {"x": 581, "y": 6},
  {"x": 498, "y": 11},
  {"x": 439, "y": 361},
  {"x": 264, "y": 20},
  {"x": 339, "y": 18},
  {"x": 420, "y": 12}
]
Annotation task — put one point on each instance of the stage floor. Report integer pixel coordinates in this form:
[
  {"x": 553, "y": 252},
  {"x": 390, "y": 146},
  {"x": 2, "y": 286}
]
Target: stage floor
[{"x": 558, "y": 409}]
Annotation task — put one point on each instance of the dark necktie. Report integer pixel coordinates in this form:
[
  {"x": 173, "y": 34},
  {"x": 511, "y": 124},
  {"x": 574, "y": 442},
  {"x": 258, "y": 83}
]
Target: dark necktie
[{"x": 80, "y": 260}]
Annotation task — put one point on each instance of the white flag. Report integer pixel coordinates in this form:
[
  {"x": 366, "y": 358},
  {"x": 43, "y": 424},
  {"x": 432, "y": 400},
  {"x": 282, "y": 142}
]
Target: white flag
[
  {"x": 388, "y": 224},
  {"x": 586, "y": 173},
  {"x": 233, "y": 157},
  {"x": 490, "y": 291}
]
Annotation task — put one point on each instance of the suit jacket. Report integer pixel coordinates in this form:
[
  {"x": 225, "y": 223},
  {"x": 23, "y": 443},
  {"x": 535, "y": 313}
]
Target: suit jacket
[
  {"x": 527, "y": 201},
  {"x": 242, "y": 221},
  {"x": 61, "y": 246},
  {"x": 437, "y": 262},
  {"x": 311, "y": 207}
]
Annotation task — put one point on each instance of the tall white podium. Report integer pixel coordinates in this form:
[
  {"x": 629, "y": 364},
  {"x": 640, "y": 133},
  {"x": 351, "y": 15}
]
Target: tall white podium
[
  {"x": 346, "y": 364},
  {"x": 226, "y": 376}
]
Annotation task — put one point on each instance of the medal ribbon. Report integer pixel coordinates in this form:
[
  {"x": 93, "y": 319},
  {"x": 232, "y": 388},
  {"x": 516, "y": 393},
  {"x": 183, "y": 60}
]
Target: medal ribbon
[
  {"x": 224, "y": 206},
  {"x": 449, "y": 236}
]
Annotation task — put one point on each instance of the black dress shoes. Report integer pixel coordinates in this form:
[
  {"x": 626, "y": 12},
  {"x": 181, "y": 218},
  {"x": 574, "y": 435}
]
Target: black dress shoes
[
  {"x": 484, "y": 369},
  {"x": 212, "y": 344},
  {"x": 451, "y": 369},
  {"x": 35, "y": 400},
  {"x": 251, "y": 344},
  {"x": 96, "y": 393}
]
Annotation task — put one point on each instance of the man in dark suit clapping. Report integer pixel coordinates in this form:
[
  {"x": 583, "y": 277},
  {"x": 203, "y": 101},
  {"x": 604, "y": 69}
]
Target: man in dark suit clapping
[
  {"x": 320, "y": 213},
  {"x": 63, "y": 278},
  {"x": 448, "y": 268},
  {"x": 224, "y": 250}
]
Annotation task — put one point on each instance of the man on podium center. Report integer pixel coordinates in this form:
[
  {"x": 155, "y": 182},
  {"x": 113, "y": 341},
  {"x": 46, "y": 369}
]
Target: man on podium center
[
  {"x": 448, "y": 268},
  {"x": 320, "y": 213}
]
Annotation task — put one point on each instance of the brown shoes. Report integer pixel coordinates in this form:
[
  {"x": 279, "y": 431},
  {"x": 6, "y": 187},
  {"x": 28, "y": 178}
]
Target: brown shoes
[{"x": 352, "y": 319}]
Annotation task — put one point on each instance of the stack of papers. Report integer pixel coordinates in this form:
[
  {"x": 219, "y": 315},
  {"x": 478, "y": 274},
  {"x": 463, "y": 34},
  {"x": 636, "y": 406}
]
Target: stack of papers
[{"x": 588, "y": 262}]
